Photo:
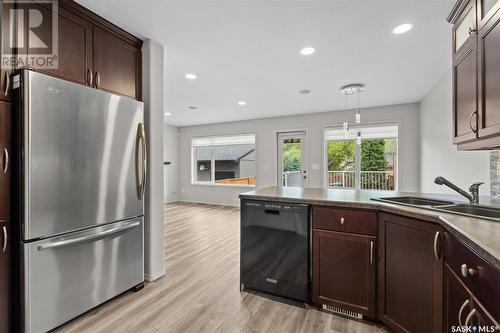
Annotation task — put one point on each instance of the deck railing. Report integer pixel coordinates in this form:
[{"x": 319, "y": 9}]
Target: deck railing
[
  {"x": 371, "y": 180},
  {"x": 237, "y": 181}
]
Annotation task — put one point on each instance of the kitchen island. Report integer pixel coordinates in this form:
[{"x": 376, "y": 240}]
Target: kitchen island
[{"x": 412, "y": 268}]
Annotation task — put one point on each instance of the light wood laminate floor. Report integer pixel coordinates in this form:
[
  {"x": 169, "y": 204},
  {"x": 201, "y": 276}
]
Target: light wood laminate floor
[{"x": 200, "y": 291}]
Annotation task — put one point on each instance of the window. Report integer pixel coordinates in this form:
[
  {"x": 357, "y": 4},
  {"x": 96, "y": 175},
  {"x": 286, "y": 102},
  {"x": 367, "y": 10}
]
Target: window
[
  {"x": 224, "y": 160},
  {"x": 364, "y": 158}
]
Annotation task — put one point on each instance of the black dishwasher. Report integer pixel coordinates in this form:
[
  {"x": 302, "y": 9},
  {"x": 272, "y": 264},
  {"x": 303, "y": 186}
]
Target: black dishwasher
[{"x": 274, "y": 248}]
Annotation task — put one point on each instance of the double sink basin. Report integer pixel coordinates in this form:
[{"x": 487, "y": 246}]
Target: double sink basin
[{"x": 472, "y": 210}]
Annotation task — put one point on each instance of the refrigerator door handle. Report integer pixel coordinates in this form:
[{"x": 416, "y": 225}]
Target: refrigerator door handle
[
  {"x": 141, "y": 160},
  {"x": 87, "y": 238}
]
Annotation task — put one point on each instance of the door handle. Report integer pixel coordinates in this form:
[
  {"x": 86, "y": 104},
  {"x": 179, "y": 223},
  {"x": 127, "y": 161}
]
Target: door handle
[
  {"x": 97, "y": 80},
  {"x": 371, "y": 252},
  {"x": 87, "y": 238},
  {"x": 90, "y": 77},
  {"x": 469, "y": 317},
  {"x": 140, "y": 161},
  {"x": 436, "y": 238},
  {"x": 7, "y": 84},
  {"x": 462, "y": 308},
  {"x": 470, "y": 121},
  {"x": 5, "y": 160},
  {"x": 5, "y": 239}
]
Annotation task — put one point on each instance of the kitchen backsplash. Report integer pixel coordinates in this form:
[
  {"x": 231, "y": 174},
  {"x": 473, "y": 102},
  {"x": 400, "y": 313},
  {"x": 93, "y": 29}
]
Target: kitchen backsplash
[{"x": 495, "y": 174}]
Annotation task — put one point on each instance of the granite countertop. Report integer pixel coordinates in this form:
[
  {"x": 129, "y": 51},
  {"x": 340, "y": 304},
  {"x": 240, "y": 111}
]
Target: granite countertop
[{"x": 482, "y": 236}]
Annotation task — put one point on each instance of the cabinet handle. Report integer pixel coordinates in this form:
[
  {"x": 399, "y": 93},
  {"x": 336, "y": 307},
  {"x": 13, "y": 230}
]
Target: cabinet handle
[
  {"x": 90, "y": 77},
  {"x": 371, "y": 252},
  {"x": 4, "y": 239},
  {"x": 436, "y": 238},
  {"x": 462, "y": 308},
  {"x": 97, "y": 80},
  {"x": 469, "y": 317},
  {"x": 7, "y": 84},
  {"x": 470, "y": 121},
  {"x": 5, "y": 160},
  {"x": 471, "y": 30},
  {"x": 342, "y": 220},
  {"x": 467, "y": 271}
]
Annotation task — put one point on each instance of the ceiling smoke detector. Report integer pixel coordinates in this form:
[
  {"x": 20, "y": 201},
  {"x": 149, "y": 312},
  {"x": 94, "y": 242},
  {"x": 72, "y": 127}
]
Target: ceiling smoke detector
[
  {"x": 304, "y": 92},
  {"x": 352, "y": 89},
  {"x": 192, "y": 107}
]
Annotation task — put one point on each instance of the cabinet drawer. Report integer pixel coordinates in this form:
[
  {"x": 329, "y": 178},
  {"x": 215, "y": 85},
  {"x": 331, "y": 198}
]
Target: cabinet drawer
[
  {"x": 484, "y": 282},
  {"x": 345, "y": 219}
]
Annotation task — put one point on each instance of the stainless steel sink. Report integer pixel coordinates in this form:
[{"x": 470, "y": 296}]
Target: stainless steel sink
[
  {"x": 472, "y": 210},
  {"x": 415, "y": 201}
]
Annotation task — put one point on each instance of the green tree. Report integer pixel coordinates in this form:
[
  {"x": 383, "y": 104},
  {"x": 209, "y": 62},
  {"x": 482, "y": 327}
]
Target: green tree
[
  {"x": 291, "y": 156},
  {"x": 373, "y": 155},
  {"x": 340, "y": 155}
]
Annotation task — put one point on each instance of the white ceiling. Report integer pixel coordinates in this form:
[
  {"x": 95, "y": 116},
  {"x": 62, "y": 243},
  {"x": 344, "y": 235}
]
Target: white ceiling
[{"x": 248, "y": 50}]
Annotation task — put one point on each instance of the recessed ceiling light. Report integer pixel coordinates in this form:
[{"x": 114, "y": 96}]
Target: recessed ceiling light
[
  {"x": 242, "y": 103},
  {"x": 168, "y": 114},
  {"x": 307, "y": 51},
  {"x": 192, "y": 107},
  {"x": 304, "y": 92},
  {"x": 191, "y": 76},
  {"x": 402, "y": 28}
]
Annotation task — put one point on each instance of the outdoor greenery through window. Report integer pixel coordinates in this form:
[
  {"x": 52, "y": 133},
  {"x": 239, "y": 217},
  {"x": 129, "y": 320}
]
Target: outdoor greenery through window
[
  {"x": 364, "y": 158},
  {"x": 224, "y": 160}
]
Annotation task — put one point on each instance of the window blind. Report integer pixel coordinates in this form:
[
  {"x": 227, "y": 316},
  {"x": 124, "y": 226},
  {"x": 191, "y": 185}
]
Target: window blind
[{"x": 226, "y": 140}]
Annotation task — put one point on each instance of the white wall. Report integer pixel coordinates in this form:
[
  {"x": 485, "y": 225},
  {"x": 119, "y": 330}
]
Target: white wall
[
  {"x": 266, "y": 152},
  {"x": 439, "y": 157},
  {"x": 170, "y": 144},
  {"x": 153, "y": 57}
]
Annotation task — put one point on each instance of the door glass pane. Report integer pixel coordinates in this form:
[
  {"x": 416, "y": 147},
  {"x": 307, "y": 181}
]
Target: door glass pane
[
  {"x": 203, "y": 165},
  {"x": 378, "y": 164},
  {"x": 292, "y": 162},
  {"x": 462, "y": 31},
  {"x": 235, "y": 165},
  {"x": 341, "y": 164},
  {"x": 486, "y": 5}
]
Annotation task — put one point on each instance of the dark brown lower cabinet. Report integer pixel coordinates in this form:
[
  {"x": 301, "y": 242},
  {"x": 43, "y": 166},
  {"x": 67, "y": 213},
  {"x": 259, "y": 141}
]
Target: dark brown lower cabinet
[
  {"x": 4, "y": 276},
  {"x": 344, "y": 271},
  {"x": 5, "y": 159},
  {"x": 410, "y": 274}
]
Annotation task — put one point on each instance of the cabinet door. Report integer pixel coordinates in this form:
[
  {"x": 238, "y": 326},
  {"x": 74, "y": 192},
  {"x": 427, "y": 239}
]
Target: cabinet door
[
  {"x": 344, "y": 271},
  {"x": 489, "y": 78},
  {"x": 410, "y": 274},
  {"x": 486, "y": 9},
  {"x": 75, "y": 46},
  {"x": 116, "y": 64},
  {"x": 5, "y": 70},
  {"x": 4, "y": 276},
  {"x": 457, "y": 300},
  {"x": 5, "y": 159},
  {"x": 465, "y": 115}
]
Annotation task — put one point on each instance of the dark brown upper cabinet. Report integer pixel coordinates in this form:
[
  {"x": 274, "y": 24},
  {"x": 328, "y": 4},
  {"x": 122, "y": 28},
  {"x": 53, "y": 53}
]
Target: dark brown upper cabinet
[
  {"x": 476, "y": 73},
  {"x": 5, "y": 70},
  {"x": 410, "y": 274},
  {"x": 93, "y": 52},
  {"x": 344, "y": 271},
  {"x": 116, "y": 64},
  {"x": 5, "y": 159}
]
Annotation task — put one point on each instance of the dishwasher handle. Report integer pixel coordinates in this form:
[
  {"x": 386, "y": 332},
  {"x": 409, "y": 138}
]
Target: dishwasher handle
[{"x": 272, "y": 211}]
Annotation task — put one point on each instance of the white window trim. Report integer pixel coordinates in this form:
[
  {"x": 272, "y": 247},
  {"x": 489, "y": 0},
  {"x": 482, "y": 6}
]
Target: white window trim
[
  {"x": 358, "y": 150},
  {"x": 213, "y": 139}
]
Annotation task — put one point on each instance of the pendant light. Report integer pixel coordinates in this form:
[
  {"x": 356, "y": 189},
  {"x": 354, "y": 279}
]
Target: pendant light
[{"x": 351, "y": 89}]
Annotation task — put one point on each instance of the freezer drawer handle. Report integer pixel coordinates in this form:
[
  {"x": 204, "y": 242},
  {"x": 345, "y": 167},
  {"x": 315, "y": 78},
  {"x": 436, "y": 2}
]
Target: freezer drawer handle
[
  {"x": 88, "y": 238},
  {"x": 140, "y": 161}
]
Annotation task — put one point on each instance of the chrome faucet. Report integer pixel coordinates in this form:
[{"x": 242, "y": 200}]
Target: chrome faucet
[{"x": 473, "y": 196}]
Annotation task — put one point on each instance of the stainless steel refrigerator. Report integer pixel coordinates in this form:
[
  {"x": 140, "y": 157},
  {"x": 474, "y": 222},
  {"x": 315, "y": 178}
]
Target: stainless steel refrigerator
[{"x": 82, "y": 171}]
